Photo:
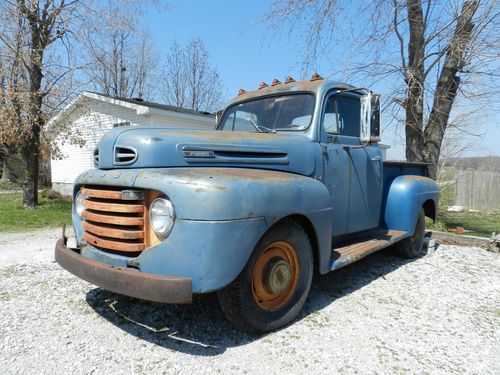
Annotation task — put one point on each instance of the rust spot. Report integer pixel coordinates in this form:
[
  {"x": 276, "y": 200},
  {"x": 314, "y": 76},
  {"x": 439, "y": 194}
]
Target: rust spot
[
  {"x": 157, "y": 288},
  {"x": 292, "y": 86},
  {"x": 275, "y": 275},
  {"x": 113, "y": 245},
  {"x": 112, "y": 231},
  {"x": 112, "y": 207},
  {"x": 111, "y": 219},
  {"x": 98, "y": 193}
]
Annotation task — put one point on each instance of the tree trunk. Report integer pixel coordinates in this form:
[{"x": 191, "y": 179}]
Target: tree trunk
[
  {"x": 30, "y": 155},
  {"x": 414, "y": 103},
  {"x": 447, "y": 85}
]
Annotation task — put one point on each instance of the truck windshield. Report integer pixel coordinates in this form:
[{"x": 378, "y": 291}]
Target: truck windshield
[{"x": 270, "y": 114}]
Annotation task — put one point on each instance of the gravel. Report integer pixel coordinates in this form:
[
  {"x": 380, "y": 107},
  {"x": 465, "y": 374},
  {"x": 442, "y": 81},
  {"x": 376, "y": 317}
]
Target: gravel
[{"x": 437, "y": 314}]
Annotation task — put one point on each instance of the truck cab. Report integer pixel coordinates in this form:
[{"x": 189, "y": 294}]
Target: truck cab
[{"x": 290, "y": 182}]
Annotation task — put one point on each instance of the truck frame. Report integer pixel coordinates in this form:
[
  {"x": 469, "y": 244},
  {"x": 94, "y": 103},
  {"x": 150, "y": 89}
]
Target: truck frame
[{"x": 290, "y": 182}]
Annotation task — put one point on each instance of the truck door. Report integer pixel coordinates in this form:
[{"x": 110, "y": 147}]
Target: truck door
[{"x": 352, "y": 175}]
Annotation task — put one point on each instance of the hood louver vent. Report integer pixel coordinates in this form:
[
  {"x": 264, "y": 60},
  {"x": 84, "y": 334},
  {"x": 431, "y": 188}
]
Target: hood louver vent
[
  {"x": 96, "y": 158},
  {"x": 124, "y": 155}
]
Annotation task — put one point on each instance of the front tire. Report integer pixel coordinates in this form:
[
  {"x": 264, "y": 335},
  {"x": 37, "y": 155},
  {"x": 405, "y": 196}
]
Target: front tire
[
  {"x": 272, "y": 288},
  {"x": 413, "y": 246}
]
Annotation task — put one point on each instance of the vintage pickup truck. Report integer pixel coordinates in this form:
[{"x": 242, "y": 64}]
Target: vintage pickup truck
[{"x": 290, "y": 182}]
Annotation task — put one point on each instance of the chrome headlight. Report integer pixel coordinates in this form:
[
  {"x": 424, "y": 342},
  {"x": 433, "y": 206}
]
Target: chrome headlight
[
  {"x": 78, "y": 203},
  {"x": 162, "y": 216}
]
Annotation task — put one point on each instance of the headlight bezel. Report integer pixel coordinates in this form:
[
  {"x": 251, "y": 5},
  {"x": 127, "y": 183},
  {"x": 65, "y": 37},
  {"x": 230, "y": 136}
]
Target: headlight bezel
[
  {"x": 79, "y": 208},
  {"x": 155, "y": 216}
]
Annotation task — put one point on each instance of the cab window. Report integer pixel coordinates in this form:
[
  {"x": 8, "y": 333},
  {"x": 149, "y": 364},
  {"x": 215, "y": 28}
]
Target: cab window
[{"x": 342, "y": 115}]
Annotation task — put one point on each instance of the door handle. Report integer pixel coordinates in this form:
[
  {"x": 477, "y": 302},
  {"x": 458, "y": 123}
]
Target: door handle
[{"x": 376, "y": 158}]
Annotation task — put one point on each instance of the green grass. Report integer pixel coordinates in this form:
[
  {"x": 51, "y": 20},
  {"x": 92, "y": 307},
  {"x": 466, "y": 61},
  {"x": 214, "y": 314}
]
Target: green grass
[
  {"x": 9, "y": 185},
  {"x": 481, "y": 224},
  {"x": 49, "y": 213}
]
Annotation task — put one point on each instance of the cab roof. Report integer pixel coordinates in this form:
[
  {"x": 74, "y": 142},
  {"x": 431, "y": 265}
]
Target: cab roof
[{"x": 314, "y": 86}]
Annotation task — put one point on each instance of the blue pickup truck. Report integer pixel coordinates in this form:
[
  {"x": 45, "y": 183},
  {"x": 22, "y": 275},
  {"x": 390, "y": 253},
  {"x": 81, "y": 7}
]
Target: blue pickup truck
[{"x": 290, "y": 182}]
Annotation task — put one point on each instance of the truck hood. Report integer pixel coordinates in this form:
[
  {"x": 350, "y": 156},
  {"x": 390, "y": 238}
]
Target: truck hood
[{"x": 141, "y": 147}]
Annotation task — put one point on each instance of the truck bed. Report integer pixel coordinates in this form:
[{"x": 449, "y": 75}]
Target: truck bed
[{"x": 395, "y": 168}]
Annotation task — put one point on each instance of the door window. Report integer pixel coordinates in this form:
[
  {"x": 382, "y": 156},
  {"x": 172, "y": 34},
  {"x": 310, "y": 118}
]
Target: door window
[{"x": 342, "y": 115}]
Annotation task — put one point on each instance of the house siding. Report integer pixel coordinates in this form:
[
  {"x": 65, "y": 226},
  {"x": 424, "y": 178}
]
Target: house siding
[{"x": 98, "y": 119}]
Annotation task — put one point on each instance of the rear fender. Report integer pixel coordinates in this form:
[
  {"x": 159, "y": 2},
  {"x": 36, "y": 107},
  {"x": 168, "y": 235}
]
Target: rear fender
[{"x": 406, "y": 195}]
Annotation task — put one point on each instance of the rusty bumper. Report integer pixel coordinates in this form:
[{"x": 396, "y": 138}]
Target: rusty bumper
[{"x": 133, "y": 283}]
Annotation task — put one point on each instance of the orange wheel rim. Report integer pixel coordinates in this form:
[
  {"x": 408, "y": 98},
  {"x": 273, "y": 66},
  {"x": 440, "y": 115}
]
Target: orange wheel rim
[{"x": 275, "y": 275}]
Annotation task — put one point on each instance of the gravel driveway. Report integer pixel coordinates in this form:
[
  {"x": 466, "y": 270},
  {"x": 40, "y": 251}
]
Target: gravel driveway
[{"x": 437, "y": 314}]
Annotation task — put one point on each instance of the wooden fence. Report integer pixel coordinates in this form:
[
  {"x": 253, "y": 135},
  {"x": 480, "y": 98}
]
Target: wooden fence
[{"x": 478, "y": 190}]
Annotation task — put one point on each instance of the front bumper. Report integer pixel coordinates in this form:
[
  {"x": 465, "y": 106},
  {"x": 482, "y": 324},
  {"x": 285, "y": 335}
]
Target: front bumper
[{"x": 129, "y": 282}]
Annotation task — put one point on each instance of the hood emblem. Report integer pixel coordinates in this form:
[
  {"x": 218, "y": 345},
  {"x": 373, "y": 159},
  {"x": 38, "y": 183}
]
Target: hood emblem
[
  {"x": 151, "y": 140},
  {"x": 198, "y": 154}
]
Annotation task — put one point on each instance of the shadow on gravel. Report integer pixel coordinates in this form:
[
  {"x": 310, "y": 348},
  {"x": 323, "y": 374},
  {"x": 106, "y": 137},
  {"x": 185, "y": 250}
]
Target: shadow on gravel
[{"x": 201, "y": 328}]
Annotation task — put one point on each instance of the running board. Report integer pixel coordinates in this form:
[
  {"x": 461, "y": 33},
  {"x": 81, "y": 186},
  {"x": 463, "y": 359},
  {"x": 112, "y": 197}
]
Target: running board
[{"x": 351, "y": 252}]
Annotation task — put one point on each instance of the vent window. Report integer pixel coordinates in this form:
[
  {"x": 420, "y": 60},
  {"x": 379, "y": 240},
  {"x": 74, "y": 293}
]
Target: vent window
[
  {"x": 96, "y": 157},
  {"x": 125, "y": 155}
]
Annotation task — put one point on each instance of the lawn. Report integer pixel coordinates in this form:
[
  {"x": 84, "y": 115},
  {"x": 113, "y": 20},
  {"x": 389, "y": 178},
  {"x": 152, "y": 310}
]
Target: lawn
[
  {"x": 481, "y": 224},
  {"x": 49, "y": 213}
]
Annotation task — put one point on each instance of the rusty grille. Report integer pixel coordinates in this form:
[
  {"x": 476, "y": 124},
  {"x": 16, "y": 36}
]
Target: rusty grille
[{"x": 111, "y": 223}]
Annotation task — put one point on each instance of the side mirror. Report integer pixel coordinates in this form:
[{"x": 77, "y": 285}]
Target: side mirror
[
  {"x": 370, "y": 118},
  {"x": 218, "y": 115}
]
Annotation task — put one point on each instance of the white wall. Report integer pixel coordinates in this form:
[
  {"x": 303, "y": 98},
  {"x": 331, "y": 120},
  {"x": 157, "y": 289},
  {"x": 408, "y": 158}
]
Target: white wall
[{"x": 99, "y": 119}]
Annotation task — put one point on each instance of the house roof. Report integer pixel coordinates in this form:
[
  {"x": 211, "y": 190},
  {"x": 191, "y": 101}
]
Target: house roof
[
  {"x": 141, "y": 107},
  {"x": 144, "y": 103}
]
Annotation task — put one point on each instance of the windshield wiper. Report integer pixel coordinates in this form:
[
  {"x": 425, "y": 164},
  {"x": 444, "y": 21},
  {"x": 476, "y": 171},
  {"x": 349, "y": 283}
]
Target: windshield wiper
[{"x": 260, "y": 128}]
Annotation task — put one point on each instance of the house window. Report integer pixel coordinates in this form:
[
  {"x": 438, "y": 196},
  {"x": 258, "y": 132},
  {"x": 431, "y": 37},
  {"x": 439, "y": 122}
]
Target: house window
[{"x": 120, "y": 124}]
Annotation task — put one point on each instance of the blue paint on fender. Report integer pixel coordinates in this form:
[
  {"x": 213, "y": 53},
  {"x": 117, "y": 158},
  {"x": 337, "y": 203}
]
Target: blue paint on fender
[
  {"x": 405, "y": 197},
  {"x": 221, "y": 215}
]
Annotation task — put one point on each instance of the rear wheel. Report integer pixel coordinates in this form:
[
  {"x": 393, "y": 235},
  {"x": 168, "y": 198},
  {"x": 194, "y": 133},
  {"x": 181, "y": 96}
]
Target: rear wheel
[
  {"x": 273, "y": 286},
  {"x": 413, "y": 246}
]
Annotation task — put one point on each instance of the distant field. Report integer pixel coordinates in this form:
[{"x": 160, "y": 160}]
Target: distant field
[{"x": 50, "y": 213}]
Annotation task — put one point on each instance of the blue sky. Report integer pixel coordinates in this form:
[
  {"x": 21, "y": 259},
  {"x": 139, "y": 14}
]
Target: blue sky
[{"x": 245, "y": 54}]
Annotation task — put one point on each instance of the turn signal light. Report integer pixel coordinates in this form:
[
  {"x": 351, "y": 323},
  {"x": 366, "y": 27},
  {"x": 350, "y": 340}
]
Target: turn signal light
[{"x": 276, "y": 82}]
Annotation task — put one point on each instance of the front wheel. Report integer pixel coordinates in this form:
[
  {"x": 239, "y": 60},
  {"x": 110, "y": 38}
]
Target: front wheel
[
  {"x": 273, "y": 287},
  {"x": 413, "y": 246}
]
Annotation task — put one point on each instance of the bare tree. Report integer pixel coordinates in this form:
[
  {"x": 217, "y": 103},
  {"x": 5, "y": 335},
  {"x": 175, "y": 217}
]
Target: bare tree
[
  {"x": 189, "y": 81},
  {"x": 424, "y": 54},
  {"x": 122, "y": 60},
  {"x": 31, "y": 70},
  {"x": 42, "y": 45}
]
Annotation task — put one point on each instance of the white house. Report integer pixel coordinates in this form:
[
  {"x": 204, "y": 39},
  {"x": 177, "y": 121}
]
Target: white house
[{"x": 93, "y": 114}]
